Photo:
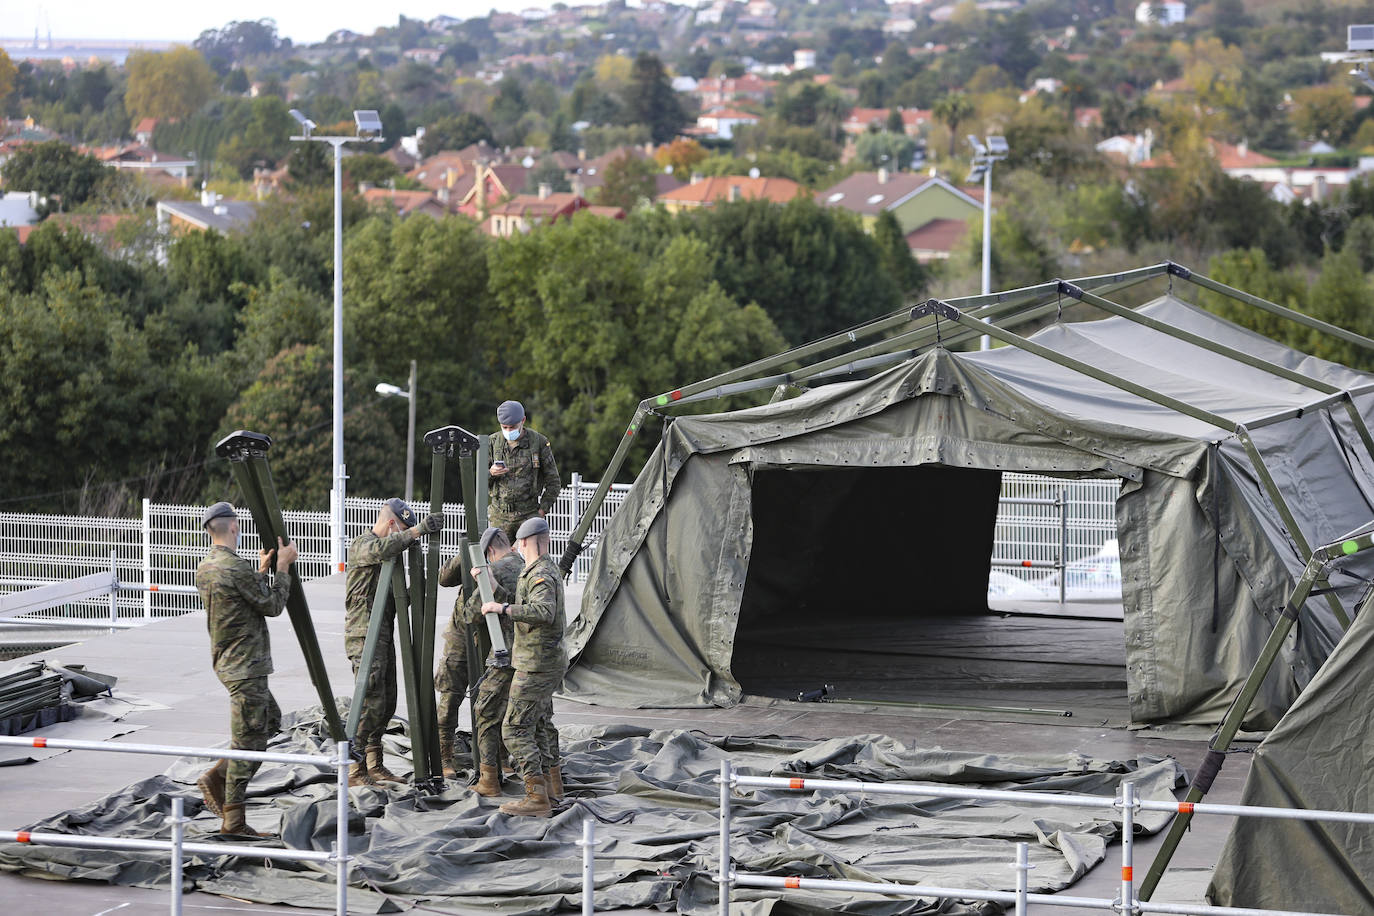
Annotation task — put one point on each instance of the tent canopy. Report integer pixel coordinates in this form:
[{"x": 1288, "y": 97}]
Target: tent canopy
[{"x": 755, "y": 514}]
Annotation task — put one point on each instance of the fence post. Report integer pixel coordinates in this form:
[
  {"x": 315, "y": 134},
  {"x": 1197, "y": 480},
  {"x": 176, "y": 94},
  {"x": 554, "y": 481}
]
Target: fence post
[
  {"x": 576, "y": 516},
  {"x": 114, "y": 588},
  {"x": 1063, "y": 542},
  {"x": 341, "y": 856},
  {"x": 725, "y": 879},
  {"x": 1023, "y": 868},
  {"x": 588, "y": 844},
  {"x": 147, "y": 557},
  {"x": 178, "y": 835},
  {"x": 1128, "y": 803}
]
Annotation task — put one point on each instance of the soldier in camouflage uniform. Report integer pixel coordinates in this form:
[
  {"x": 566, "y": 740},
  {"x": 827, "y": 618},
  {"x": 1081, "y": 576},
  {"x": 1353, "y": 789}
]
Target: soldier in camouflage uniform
[
  {"x": 451, "y": 678},
  {"x": 524, "y": 477},
  {"x": 238, "y": 600},
  {"x": 540, "y": 661},
  {"x": 395, "y": 531}
]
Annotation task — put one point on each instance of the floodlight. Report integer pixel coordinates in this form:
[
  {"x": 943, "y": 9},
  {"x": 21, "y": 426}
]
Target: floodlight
[
  {"x": 976, "y": 174},
  {"x": 306, "y": 124},
  {"x": 978, "y": 148},
  {"x": 369, "y": 124},
  {"x": 998, "y": 146},
  {"x": 387, "y": 390}
]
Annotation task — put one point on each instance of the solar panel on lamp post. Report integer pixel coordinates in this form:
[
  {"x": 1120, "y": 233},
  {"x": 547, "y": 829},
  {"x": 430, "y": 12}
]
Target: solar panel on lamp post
[{"x": 369, "y": 130}]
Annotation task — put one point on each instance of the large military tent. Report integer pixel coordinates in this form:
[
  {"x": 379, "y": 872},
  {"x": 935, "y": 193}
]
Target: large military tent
[{"x": 872, "y": 501}]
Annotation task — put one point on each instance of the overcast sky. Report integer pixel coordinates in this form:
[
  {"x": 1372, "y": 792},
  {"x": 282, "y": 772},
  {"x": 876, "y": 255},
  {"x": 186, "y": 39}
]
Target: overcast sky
[{"x": 178, "y": 20}]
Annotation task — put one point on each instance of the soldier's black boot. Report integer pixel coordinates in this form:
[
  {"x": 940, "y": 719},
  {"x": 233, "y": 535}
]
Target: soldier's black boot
[
  {"x": 211, "y": 784},
  {"x": 376, "y": 768}
]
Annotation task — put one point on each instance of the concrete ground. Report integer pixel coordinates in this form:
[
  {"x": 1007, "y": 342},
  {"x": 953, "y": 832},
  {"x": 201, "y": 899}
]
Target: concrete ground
[{"x": 168, "y": 663}]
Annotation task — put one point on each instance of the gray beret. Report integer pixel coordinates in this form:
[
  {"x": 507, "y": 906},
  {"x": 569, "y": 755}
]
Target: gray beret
[
  {"x": 532, "y": 526},
  {"x": 403, "y": 513},
  {"x": 218, "y": 510},
  {"x": 510, "y": 413},
  {"x": 485, "y": 540}
]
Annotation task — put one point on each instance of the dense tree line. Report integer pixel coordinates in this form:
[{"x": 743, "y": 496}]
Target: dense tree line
[{"x": 126, "y": 371}]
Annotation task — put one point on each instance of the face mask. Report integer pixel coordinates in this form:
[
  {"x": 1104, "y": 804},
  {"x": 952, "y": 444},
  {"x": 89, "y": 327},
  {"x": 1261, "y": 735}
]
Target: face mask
[
  {"x": 238, "y": 539},
  {"x": 511, "y": 434}
]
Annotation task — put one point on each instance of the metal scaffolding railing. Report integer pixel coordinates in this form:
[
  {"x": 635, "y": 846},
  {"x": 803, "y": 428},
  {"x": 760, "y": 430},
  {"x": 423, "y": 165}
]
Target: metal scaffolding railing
[
  {"x": 1126, "y": 803},
  {"x": 177, "y": 846}
]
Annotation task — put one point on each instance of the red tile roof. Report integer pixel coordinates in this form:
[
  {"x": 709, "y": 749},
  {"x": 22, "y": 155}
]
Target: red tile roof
[
  {"x": 937, "y": 235},
  {"x": 708, "y": 190}
]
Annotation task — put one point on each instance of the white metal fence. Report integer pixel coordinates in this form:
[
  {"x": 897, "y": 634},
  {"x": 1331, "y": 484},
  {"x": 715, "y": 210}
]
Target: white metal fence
[{"x": 1044, "y": 525}]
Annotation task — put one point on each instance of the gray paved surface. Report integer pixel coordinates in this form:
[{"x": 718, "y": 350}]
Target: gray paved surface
[{"x": 168, "y": 663}]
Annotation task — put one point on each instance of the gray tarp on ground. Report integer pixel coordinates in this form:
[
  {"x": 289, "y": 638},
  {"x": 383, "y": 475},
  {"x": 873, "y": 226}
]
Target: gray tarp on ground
[
  {"x": 1318, "y": 756},
  {"x": 662, "y": 605},
  {"x": 655, "y": 802}
]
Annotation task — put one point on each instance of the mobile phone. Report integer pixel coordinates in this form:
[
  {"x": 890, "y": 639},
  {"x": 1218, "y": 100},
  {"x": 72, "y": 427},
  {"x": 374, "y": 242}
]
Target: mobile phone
[{"x": 499, "y": 464}]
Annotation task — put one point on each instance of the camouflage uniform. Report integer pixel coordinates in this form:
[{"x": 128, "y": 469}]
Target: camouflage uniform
[
  {"x": 451, "y": 677},
  {"x": 237, "y": 600},
  {"x": 366, "y": 554},
  {"x": 530, "y": 484},
  {"x": 490, "y": 705},
  {"x": 539, "y": 660}
]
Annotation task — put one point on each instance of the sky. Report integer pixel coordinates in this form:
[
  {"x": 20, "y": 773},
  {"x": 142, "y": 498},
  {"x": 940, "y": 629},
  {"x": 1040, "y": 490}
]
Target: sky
[{"x": 303, "y": 21}]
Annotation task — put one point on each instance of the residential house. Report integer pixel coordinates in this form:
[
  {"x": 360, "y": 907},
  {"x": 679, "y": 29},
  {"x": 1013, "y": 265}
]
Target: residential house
[
  {"x": 523, "y": 212},
  {"x": 210, "y": 212},
  {"x": 862, "y": 120},
  {"x": 94, "y": 226},
  {"x": 804, "y": 59},
  {"x": 721, "y": 122},
  {"x": 19, "y": 208},
  {"x": 142, "y": 159},
  {"x": 932, "y": 213},
  {"x": 706, "y": 192},
  {"x": 491, "y": 184},
  {"x": 143, "y": 131},
  {"x": 428, "y": 56},
  {"x": 1128, "y": 149},
  {"x": 899, "y": 25},
  {"x": 406, "y": 203},
  {"x": 719, "y": 91}
]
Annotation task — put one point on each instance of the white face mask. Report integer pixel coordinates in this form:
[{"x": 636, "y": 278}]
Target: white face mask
[
  {"x": 511, "y": 434},
  {"x": 238, "y": 539}
]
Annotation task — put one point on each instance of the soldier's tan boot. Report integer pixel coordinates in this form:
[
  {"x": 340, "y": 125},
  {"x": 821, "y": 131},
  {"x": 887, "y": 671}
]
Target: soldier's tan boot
[
  {"x": 488, "y": 782},
  {"x": 236, "y": 825},
  {"x": 534, "y": 804},
  {"x": 446, "y": 745},
  {"x": 357, "y": 776},
  {"x": 211, "y": 784},
  {"x": 376, "y": 768},
  {"x": 553, "y": 780}
]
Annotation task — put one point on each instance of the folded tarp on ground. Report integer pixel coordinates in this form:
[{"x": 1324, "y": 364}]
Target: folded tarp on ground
[{"x": 655, "y": 801}]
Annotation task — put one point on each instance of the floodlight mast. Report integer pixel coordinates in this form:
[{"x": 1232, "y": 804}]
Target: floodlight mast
[
  {"x": 369, "y": 131},
  {"x": 984, "y": 155}
]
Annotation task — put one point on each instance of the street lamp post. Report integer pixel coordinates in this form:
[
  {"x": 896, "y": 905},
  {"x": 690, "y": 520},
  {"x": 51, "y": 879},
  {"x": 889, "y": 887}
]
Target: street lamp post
[
  {"x": 391, "y": 391},
  {"x": 369, "y": 131},
  {"x": 983, "y": 157}
]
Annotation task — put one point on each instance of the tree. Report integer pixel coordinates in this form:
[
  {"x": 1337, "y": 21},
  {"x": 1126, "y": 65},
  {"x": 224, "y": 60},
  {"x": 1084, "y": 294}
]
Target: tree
[
  {"x": 1323, "y": 112},
  {"x": 63, "y": 177},
  {"x": 169, "y": 84},
  {"x": 590, "y": 324},
  {"x": 237, "y": 41},
  {"x": 290, "y": 401},
  {"x": 896, "y": 256},
  {"x": 650, "y": 99},
  {"x": 8, "y": 74},
  {"x": 454, "y": 132},
  {"x": 953, "y": 110},
  {"x": 885, "y": 150},
  {"x": 371, "y": 168},
  {"x": 311, "y": 165},
  {"x": 547, "y": 171},
  {"x": 627, "y": 181},
  {"x": 682, "y": 155}
]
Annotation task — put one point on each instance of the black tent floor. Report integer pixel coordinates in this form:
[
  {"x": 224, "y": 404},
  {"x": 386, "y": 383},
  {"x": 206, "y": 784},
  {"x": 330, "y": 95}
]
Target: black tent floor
[
  {"x": 167, "y": 663},
  {"x": 1056, "y": 669}
]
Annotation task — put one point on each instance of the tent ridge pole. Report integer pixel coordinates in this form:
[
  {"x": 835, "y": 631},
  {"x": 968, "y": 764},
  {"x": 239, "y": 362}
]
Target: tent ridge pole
[{"x": 1272, "y": 308}]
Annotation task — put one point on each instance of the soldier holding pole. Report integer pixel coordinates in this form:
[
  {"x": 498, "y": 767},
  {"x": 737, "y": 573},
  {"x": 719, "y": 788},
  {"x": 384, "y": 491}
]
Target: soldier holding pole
[
  {"x": 395, "y": 531},
  {"x": 238, "y": 600}
]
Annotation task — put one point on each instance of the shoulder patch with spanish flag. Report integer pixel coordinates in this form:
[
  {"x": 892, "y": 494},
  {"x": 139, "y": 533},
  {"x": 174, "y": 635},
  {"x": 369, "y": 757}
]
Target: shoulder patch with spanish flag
[{"x": 538, "y": 581}]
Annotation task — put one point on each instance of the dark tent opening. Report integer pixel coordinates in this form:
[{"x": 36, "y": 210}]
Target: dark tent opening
[{"x": 875, "y": 581}]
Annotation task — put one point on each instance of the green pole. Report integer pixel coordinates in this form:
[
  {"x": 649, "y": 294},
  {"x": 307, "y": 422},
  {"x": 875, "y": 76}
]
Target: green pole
[
  {"x": 247, "y": 454},
  {"x": 405, "y": 649},
  {"x": 1235, "y": 715}
]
